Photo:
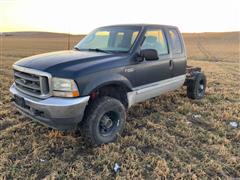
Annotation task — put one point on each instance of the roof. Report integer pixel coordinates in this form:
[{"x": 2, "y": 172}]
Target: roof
[{"x": 140, "y": 25}]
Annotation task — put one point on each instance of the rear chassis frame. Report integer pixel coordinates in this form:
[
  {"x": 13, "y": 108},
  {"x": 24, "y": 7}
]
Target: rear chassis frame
[{"x": 191, "y": 73}]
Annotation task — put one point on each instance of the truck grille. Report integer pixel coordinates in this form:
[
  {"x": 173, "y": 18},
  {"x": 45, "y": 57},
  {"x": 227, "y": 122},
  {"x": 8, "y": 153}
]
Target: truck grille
[{"x": 32, "y": 82}]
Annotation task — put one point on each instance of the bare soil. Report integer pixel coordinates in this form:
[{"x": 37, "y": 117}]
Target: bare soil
[{"x": 169, "y": 136}]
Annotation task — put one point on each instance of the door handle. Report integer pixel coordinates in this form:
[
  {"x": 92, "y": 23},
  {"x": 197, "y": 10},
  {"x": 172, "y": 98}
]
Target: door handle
[{"x": 171, "y": 64}]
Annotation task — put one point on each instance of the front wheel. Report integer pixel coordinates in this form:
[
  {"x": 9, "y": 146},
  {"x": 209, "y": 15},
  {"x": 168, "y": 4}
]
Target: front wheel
[{"x": 104, "y": 121}]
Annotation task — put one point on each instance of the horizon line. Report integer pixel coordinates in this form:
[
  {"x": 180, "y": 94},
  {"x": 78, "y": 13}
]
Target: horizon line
[{"x": 35, "y": 31}]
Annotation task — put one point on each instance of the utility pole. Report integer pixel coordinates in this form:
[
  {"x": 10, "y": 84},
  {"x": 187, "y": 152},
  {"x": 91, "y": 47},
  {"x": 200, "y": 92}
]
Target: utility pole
[{"x": 69, "y": 41}]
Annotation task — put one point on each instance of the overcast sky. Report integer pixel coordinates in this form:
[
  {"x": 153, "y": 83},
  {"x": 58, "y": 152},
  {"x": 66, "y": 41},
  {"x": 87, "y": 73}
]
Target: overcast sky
[{"x": 81, "y": 16}]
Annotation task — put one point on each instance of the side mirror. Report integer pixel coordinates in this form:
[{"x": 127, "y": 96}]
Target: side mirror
[{"x": 149, "y": 54}]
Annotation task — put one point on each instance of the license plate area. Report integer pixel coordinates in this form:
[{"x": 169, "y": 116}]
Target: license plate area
[{"x": 20, "y": 101}]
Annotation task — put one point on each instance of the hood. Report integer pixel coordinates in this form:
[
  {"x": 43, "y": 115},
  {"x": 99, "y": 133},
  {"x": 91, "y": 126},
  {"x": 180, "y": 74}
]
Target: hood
[{"x": 66, "y": 61}]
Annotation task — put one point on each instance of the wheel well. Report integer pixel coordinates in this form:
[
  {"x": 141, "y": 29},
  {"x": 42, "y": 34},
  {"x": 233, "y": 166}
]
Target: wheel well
[{"x": 117, "y": 91}]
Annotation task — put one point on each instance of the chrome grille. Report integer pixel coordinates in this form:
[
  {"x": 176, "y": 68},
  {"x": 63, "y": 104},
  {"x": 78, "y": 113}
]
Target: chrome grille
[{"x": 32, "y": 82}]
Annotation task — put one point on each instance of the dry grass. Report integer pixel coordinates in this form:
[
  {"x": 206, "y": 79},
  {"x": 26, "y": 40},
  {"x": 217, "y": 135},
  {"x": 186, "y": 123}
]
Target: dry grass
[{"x": 163, "y": 138}]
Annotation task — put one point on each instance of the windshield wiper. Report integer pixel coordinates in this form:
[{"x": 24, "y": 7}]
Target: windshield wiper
[
  {"x": 75, "y": 47},
  {"x": 100, "y": 50},
  {"x": 93, "y": 49}
]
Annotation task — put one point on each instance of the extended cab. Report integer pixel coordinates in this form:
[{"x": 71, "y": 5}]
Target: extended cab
[{"x": 112, "y": 68}]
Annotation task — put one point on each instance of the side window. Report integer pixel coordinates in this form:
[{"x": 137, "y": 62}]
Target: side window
[
  {"x": 175, "y": 41},
  {"x": 155, "y": 39}
]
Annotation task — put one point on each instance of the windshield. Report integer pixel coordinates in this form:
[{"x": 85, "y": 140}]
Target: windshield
[{"x": 109, "y": 39}]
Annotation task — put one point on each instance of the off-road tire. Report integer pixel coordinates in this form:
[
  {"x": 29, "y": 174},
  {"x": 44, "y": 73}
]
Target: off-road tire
[
  {"x": 197, "y": 86},
  {"x": 96, "y": 111}
]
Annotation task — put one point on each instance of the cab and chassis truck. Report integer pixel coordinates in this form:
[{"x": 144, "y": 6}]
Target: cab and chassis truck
[{"x": 90, "y": 87}]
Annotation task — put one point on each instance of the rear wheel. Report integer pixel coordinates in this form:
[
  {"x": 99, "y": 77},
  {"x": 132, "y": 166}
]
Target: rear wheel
[
  {"x": 104, "y": 121},
  {"x": 196, "y": 87}
]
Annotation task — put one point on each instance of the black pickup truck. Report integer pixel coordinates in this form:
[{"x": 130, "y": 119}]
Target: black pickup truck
[{"x": 112, "y": 68}]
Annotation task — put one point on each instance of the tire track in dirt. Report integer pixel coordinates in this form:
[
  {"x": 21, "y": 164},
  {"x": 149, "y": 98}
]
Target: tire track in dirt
[
  {"x": 204, "y": 50},
  {"x": 213, "y": 58},
  {"x": 209, "y": 54}
]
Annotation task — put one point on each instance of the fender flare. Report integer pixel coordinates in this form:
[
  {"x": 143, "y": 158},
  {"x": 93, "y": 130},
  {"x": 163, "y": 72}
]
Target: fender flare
[{"x": 110, "y": 79}]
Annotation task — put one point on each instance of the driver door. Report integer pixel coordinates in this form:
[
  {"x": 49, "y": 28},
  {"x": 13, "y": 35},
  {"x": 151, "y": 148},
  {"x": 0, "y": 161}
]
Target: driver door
[{"x": 148, "y": 72}]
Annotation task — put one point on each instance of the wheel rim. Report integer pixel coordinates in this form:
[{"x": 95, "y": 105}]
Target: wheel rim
[
  {"x": 201, "y": 88},
  {"x": 108, "y": 123}
]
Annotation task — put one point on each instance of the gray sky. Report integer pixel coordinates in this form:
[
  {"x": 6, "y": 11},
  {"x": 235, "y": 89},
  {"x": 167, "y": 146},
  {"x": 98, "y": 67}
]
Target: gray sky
[{"x": 81, "y": 16}]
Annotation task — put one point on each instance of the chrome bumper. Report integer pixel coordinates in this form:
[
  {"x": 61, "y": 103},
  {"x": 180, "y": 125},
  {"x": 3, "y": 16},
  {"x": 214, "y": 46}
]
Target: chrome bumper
[{"x": 55, "y": 112}]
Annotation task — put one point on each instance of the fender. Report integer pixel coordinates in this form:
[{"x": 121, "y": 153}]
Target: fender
[{"x": 107, "y": 79}]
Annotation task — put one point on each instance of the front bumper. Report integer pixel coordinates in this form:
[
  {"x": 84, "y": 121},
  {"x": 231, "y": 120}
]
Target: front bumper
[{"x": 55, "y": 112}]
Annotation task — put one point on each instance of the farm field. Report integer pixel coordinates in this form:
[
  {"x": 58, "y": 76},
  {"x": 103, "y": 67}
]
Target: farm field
[{"x": 169, "y": 136}]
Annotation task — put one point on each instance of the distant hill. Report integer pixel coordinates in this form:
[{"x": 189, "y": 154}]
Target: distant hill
[
  {"x": 219, "y": 46},
  {"x": 37, "y": 34},
  {"x": 235, "y": 36}
]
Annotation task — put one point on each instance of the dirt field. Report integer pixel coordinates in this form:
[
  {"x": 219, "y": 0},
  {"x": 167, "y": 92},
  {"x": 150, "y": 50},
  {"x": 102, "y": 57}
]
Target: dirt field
[{"x": 166, "y": 137}]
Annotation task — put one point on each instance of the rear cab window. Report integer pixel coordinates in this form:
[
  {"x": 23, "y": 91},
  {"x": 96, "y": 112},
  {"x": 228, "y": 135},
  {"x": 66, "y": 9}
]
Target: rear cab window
[{"x": 175, "y": 41}]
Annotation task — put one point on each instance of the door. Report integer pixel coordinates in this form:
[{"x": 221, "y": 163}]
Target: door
[
  {"x": 154, "y": 77},
  {"x": 148, "y": 72},
  {"x": 178, "y": 52}
]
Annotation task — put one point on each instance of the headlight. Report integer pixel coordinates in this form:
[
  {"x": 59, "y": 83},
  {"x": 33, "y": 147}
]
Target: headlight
[{"x": 64, "y": 87}]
